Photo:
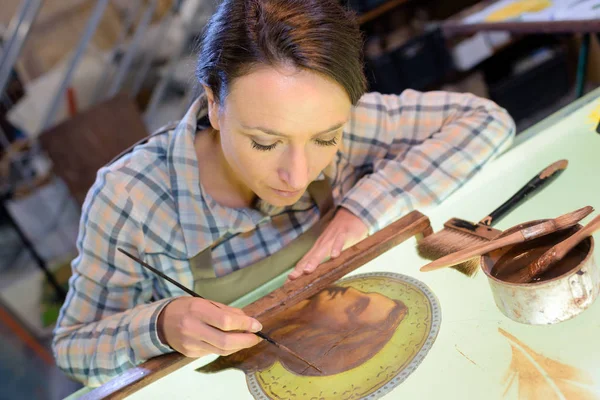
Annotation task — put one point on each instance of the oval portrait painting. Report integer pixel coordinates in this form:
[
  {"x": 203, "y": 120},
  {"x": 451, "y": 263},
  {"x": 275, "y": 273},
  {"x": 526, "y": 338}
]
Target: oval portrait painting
[{"x": 366, "y": 334}]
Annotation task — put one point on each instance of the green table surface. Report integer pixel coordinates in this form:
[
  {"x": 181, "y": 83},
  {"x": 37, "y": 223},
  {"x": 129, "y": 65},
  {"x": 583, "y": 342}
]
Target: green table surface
[{"x": 470, "y": 358}]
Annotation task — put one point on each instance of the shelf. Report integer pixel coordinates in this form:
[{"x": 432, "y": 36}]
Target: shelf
[
  {"x": 380, "y": 10},
  {"x": 455, "y": 25}
]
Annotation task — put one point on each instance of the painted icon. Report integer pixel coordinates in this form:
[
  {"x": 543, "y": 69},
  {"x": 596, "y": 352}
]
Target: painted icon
[{"x": 367, "y": 334}]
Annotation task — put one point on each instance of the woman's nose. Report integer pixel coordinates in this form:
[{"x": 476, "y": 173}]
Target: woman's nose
[{"x": 294, "y": 173}]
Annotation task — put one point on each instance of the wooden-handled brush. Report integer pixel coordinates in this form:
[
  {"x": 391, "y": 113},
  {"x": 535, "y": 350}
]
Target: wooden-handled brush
[
  {"x": 563, "y": 222},
  {"x": 555, "y": 253},
  {"x": 460, "y": 234}
]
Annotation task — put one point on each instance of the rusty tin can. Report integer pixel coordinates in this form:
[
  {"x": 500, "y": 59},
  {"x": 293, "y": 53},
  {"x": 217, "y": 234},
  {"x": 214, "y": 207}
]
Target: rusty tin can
[{"x": 549, "y": 301}]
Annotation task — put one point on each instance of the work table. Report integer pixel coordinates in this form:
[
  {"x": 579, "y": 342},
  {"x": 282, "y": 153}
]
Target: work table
[{"x": 479, "y": 353}]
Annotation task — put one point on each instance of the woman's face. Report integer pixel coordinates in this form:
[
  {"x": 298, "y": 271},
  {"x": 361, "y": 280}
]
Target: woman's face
[{"x": 279, "y": 128}]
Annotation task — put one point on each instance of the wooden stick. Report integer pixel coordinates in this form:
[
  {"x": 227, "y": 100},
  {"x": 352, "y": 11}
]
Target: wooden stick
[
  {"x": 280, "y": 299},
  {"x": 555, "y": 253},
  {"x": 334, "y": 269}
]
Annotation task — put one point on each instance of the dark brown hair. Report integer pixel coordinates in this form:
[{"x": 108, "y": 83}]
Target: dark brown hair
[{"x": 316, "y": 35}]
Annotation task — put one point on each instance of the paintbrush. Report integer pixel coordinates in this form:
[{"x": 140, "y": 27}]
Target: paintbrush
[
  {"x": 554, "y": 254},
  {"x": 544, "y": 228},
  {"x": 460, "y": 234},
  {"x": 260, "y": 334}
]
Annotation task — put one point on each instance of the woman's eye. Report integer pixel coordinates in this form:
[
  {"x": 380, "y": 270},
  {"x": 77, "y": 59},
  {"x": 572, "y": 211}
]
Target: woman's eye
[
  {"x": 322, "y": 142},
  {"x": 261, "y": 147},
  {"x": 319, "y": 142}
]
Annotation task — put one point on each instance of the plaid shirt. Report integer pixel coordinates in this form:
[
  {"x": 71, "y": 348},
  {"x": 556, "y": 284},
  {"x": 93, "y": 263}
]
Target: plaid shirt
[{"x": 398, "y": 153}]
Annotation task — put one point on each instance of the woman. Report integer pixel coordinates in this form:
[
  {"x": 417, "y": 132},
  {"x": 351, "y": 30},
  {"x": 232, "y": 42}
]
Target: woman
[{"x": 282, "y": 163}]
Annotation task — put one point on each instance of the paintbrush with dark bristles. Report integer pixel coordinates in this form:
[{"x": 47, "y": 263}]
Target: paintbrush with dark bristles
[
  {"x": 260, "y": 334},
  {"x": 459, "y": 234}
]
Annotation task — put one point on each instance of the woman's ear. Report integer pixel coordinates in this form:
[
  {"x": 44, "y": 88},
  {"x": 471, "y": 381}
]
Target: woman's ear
[{"x": 213, "y": 108}]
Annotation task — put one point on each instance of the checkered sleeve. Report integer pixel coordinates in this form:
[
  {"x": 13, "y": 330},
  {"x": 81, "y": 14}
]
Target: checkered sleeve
[
  {"x": 417, "y": 148},
  {"x": 108, "y": 322}
]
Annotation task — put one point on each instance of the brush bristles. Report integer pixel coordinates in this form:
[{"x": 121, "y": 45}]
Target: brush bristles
[
  {"x": 570, "y": 219},
  {"x": 468, "y": 268},
  {"x": 449, "y": 241}
]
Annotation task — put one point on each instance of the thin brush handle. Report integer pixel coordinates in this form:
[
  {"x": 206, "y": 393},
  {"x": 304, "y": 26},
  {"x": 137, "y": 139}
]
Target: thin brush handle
[
  {"x": 532, "y": 232},
  {"x": 559, "y": 251},
  {"x": 162, "y": 275},
  {"x": 260, "y": 334},
  {"x": 538, "y": 182},
  {"x": 179, "y": 285}
]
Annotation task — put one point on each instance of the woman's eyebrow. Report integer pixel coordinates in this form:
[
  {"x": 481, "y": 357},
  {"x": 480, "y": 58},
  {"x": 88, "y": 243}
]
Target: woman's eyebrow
[{"x": 276, "y": 133}]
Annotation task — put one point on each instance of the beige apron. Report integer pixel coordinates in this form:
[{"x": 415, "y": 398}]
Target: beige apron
[{"x": 231, "y": 287}]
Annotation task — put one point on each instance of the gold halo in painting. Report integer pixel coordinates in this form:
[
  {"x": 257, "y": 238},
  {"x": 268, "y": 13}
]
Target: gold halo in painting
[{"x": 386, "y": 369}]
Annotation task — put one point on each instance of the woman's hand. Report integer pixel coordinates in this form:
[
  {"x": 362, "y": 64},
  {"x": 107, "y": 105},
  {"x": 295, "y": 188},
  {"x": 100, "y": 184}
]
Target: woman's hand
[
  {"x": 344, "y": 230},
  {"x": 195, "y": 328}
]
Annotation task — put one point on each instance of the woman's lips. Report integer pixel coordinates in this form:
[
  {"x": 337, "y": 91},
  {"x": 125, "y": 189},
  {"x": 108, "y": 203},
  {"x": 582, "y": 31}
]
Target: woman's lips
[{"x": 287, "y": 193}]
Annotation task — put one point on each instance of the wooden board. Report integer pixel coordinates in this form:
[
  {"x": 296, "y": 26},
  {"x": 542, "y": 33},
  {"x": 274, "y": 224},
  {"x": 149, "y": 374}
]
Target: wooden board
[
  {"x": 82, "y": 145},
  {"x": 350, "y": 259},
  {"x": 279, "y": 300}
]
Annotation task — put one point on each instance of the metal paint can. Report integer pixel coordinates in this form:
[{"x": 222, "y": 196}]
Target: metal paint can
[{"x": 549, "y": 301}]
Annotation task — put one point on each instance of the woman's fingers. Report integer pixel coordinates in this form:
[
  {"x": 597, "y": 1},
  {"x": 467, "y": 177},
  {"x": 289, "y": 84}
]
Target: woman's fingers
[
  {"x": 196, "y": 327},
  {"x": 224, "y": 319}
]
